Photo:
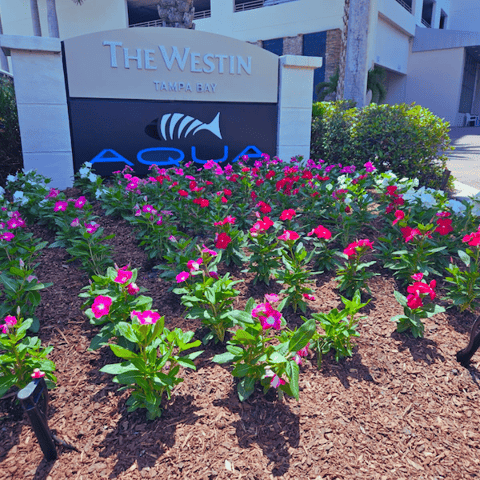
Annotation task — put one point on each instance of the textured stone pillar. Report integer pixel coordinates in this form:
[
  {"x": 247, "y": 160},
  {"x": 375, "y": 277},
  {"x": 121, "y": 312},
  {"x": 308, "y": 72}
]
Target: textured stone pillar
[
  {"x": 176, "y": 13},
  {"x": 362, "y": 21},
  {"x": 42, "y": 106},
  {"x": 293, "y": 45},
  {"x": 295, "y": 92}
]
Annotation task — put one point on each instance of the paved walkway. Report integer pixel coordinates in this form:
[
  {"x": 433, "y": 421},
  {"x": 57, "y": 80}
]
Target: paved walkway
[{"x": 464, "y": 161}]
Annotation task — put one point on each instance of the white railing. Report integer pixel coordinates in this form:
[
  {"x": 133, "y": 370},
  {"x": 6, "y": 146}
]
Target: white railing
[
  {"x": 241, "y": 7},
  {"x": 426, "y": 24},
  {"x": 407, "y": 7},
  {"x": 158, "y": 23}
]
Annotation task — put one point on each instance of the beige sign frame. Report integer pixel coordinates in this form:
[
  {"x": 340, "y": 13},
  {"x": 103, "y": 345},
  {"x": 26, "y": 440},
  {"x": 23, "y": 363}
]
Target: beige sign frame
[{"x": 169, "y": 64}]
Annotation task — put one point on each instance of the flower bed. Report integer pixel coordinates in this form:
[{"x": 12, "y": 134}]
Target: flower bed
[{"x": 373, "y": 411}]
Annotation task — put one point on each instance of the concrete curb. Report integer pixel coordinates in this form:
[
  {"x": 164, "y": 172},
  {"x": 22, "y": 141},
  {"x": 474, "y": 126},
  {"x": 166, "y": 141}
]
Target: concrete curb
[{"x": 462, "y": 191}]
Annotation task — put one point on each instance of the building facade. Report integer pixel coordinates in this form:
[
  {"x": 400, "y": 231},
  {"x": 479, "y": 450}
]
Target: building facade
[{"x": 430, "y": 49}]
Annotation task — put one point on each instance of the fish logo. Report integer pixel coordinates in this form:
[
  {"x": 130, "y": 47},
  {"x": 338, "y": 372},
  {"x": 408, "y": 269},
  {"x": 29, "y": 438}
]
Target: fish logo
[{"x": 166, "y": 127}]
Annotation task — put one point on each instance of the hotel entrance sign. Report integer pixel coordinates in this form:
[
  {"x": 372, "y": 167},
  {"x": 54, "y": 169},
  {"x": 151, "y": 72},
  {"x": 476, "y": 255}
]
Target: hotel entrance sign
[{"x": 163, "y": 95}]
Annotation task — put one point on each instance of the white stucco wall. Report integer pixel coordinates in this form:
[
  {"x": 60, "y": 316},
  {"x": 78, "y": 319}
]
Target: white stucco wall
[
  {"x": 287, "y": 19},
  {"x": 434, "y": 81},
  {"x": 392, "y": 11},
  {"x": 396, "y": 84},
  {"x": 391, "y": 50},
  {"x": 73, "y": 20},
  {"x": 464, "y": 15}
]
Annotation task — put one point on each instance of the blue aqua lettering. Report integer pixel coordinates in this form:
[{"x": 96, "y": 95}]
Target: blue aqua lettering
[
  {"x": 100, "y": 158},
  {"x": 197, "y": 160},
  {"x": 170, "y": 161}
]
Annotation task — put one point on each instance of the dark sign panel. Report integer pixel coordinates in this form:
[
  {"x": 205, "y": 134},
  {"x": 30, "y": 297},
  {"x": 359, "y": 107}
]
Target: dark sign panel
[{"x": 113, "y": 133}]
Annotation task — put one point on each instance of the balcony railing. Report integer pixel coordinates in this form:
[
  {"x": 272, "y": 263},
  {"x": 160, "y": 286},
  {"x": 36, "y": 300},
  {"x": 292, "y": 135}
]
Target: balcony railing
[
  {"x": 158, "y": 23},
  {"x": 425, "y": 23},
  {"x": 407, "y": 7},
  {"x": 241, "y": 7}
]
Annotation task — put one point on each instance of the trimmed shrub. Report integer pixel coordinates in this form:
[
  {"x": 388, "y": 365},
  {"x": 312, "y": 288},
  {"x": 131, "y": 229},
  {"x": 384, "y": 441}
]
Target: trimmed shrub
[{"x": 407, "y": 139}]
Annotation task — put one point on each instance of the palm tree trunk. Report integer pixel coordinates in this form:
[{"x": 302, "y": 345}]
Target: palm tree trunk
[
  {"x": 37, "y": 29},
  {"x": 343, "y": 53},
  {"x": 52, "y": 19}
]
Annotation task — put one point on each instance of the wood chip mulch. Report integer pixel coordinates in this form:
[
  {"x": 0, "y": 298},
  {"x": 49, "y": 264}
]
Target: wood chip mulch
[{"x": 400, "y": 408}]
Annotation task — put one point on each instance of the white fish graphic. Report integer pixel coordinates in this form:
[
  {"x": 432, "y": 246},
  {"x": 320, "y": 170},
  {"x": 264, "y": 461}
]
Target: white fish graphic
[{"x": 194, "y": 126}]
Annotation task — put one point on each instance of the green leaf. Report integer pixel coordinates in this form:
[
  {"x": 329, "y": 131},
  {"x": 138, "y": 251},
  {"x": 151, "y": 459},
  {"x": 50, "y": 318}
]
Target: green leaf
[
  {"x": 464, "y": 257},
  {"x": 241, "y": 370},
  {"x": 293, "y": 373},
  {"x": 302, "y": 336},
  {"x": 243, "y": 335},
  {"x": 123, "y": 352},
  {"x": 245, "y": 388},
  {"x": 401, "y": 299},
  {"x": 118, "y": 368},
  {"x": 126, "y": 331},
  {"x": 224, "y": 358},
  {"x": 276, "y": 357}
]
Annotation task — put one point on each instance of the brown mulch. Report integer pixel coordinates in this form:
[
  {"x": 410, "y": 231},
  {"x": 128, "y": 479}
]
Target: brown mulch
[{"x": 399, "y": 408}]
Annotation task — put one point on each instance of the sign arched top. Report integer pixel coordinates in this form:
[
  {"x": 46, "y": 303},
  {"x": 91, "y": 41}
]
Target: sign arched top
[{"x": 169, "y": 64}]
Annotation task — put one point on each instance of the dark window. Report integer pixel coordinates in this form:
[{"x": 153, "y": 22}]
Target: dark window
[
  {"x": 427, "y": 12},
  {"x": 468, "y": 84},
  {"x": 275, "y": 46},
  {"x": 443, "y": 20},
  {"x": 315, "y": 45}
]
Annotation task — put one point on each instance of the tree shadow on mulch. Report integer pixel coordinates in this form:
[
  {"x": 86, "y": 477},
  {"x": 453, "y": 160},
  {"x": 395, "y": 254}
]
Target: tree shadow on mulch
[
  {"x": 421, "y": 349},
  {"x": 136, "y": 440},
  {"x": 346, "y": 369},
  {"x": 266, "y": 422}
]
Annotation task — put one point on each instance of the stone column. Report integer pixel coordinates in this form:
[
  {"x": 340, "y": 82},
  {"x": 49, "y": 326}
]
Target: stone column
[
  {"x": 295, "y": 91},
  {"x": 42, "y": 106},
  {"x": 362, "y": 21}
]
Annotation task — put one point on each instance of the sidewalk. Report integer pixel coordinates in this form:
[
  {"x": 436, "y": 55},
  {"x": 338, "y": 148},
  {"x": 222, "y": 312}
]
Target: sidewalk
[{"x": 464, "y": 161}]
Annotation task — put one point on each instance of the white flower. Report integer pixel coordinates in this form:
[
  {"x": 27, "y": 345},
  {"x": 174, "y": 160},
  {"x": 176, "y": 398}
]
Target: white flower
[
  {"x": 458, "y": 207},
  {"x": 88, "y": 164},
  {"x": 11, "y": 178},
  {"x": 83, "y": 172},
  {"x": 427, "y": 200},
  {"x": 2, "y": 191},
  {"x": 18, "y": 195},
  {"x": 92, "y": 177}
]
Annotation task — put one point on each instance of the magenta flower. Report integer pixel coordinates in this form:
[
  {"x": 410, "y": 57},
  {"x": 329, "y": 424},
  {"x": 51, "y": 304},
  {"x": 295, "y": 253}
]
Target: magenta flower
[
  {"x": 301, "y": 353},
  {"x": 123, "y": 276},
  {"x": 272, "y": 297},
  {"x": 287, "y": 214},
  {"x": 80, "y": 202},
  {"x": 417, "y": 276},
  {"x": 132, "y": 288},
  {"x": 92, "y": 227},
  {"x": 207, "y": 251},
  {"x": 101, "y": 306},
  {"x": 37, "y": 373},
  {"x": 182, "y": 276},
  {"x": 75, "y": 222},
  {"x": 321, "y": 232},
  {"x": 276, "y": 381},
  {"x": 194, "y": 265},
  {"x": 10, "y": 321},
  {"x": 267, "y": 316},
  {"x": 369, "y": 167},
  {"x": 60, "y": 206},
  {"x": 148, "y": 317},
  {"x": 213, "y": 274},
  {"x": 53, "y": 193},
  {"x": 308, "y": 296},
  {"x": 7, "y": 236}
]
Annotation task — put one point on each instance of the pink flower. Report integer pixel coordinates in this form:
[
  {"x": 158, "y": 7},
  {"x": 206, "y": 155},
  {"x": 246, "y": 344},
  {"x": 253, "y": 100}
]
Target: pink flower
[
  {"x": 92, "y": 227},
  {"x": 80, "y": 203},
  {"x": 321, "y": 232},
  {"x": 272, "y": 297},
  {"x": 123, "y": 276},
  {"x": 194, "y": 265},
  {"x": 414, "y": 301},
  {"x": 60, "y": 206},
  {"x": 417, "y": 276},
  {"x": 149, "y": 209},
  {"x": 276, "y": 381},
  {"x": 473, "y": 239},
  {"x": 287, "y": 214},
  {"x": 289, "y": 235},
  {"x": 223, "y": 240},
  {"x": 301, "y": 353},
  {"x": 264, "y": 207},
  {"x": 308, "y": 296},
  {"x": 213, "y": 274},
  {"x": 37, "y": 373},
  {"x": 357, "y": 246},
  {"x": 75, "y": 222},
  {"x": 7, "y": 236},
  {"x": 369, "y": 167},
  {"x": 422, "y": 289},
  {"x": 268, "y": 316},
  {"x": 132, "y": 288},
  {"x": 182, "y": 276},
  {"x": 148, "y": 317},
  {"x": 101, "y": 306},
  {"x": 209, "y": 252},
  {"x": 444, "y": 226},
  {"x": 10, "y": 320},
  {"x": 399, "y": 215},
  {"x": 53, "y": 193}
]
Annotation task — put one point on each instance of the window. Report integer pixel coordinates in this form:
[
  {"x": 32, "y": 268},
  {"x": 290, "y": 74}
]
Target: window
[
  {"x": 443, "y": 20},
  {"x": 468, "y": 84}
]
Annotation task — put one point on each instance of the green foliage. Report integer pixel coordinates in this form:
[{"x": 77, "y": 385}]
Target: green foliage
[
  {"x": 376, "y": 84},
  {"x": 407, "y": 139},
  {"x": 339, "y": 327},
  {"x": 154, "y": 369},
  {"x": 323, "y": 89},
  {"x": 20, "y": 355},
  {"x": 11, "y": 158}
]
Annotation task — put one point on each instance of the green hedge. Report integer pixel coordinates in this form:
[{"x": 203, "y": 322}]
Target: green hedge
[
  {"x": 407, "y": 139},
  {"x": 11, "y": 158}
]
